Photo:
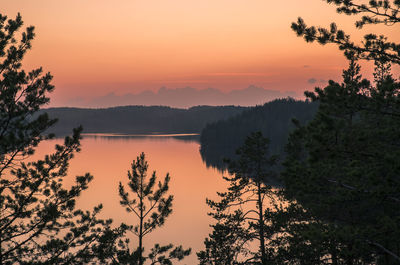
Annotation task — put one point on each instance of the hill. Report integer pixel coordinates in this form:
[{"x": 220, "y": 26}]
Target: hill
[
  {"x": 220, "y": 139},
  {"x": 139, "y": 119}
]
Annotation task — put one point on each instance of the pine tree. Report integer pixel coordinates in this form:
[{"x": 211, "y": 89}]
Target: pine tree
[
  {"x": 241, "y": 212},
  {"x": 373, "y": 47},
  {"x": 343, "y": 167},
  {"x": 151, "y": 206},
  {"x": 225, "y": 245},
  {"x": 39, "y": 222}
]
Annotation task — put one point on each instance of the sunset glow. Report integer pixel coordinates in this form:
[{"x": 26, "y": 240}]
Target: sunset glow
[
  {"x": 97, "y": 47},
  {"x": 213, "y": 132}
]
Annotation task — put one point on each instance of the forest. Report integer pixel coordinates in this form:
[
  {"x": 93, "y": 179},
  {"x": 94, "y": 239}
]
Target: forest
[
  {"x": 219, "y": 140},
  {"x": 340, "y": 170},
  {"x": 138, "y": 119}
]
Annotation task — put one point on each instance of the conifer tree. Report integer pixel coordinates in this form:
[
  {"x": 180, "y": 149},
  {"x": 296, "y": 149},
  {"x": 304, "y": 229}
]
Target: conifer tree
[
  {"x": 343, "y": 167},
  {"x": 373, "y": 47},
  {"x": 151, "y": 205},
  {"x": 39, "y": 222},
  {"x": 225, "y": 245},
  {"x": 241, "y": 212}
]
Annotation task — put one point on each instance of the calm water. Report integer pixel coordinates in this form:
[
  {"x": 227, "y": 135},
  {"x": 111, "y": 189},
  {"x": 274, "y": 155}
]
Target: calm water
[{"x": 108, "y": 160}]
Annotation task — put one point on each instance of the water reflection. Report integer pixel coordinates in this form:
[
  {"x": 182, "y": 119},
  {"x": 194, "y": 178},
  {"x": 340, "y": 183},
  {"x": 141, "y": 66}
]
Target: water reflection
[
  {"x": 216, "y": 158},
  {"x": 108, "y": 159},
  {"x": 186, "y": 137}
]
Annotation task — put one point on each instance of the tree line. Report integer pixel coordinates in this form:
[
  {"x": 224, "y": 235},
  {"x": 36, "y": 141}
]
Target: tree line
[
  {"x": 220, "y": 139},
  {"x": 339, "y": 203},
  {"x": 138, "y": 119}
]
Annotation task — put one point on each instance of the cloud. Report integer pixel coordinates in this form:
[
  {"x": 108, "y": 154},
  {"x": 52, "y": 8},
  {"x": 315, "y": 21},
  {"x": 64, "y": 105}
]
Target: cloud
[
  {"x": 306, "y": 66},
  {"x": 312, "y": 81},
  {"x": 237, "y": 74},
  {"x": 76, "y": 101},
  {"x": 187, "y": 96}
]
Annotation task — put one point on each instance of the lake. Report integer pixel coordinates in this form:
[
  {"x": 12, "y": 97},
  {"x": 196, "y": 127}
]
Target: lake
[{"x": 108, "y": 158}]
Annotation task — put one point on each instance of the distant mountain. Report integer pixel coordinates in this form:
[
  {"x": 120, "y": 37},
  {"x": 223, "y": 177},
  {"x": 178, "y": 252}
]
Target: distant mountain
[
  {"x": 186, "y": 97},
  {"x": 138, "y": 119},
  {"x": 219, "y": 140}
]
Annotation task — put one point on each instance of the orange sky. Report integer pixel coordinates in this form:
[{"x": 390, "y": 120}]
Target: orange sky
[{"x": 95, "y": 47}]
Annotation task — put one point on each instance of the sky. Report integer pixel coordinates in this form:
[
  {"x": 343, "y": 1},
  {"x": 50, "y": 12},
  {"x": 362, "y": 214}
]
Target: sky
[{"x": 100, "y": 48}]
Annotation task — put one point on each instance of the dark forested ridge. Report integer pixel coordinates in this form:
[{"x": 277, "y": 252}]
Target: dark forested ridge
[
  {"x": 139, "y": 119},
  {"x": 223, "y": 128},
  {"x": 220, "y": 139}
]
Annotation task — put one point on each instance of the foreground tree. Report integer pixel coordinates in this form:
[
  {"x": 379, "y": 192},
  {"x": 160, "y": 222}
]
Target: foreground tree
[
  {"x": 151, "y": 207},
  {"x": 241, "y": 212},
  {"x": 343, "y": 166},
  {"x": 225, "y": 244},
  {"x": 341, "y": 177},
  {"x": 39, "y": 223},
  {"x": 373, "y": 47}
]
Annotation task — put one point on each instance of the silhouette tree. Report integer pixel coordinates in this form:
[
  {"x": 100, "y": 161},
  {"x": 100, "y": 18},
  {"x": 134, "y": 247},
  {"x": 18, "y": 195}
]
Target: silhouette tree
[
  {"x": 241, "y": 212},
  {"x": 225, "y": 243},
  {"x": 342, "y": 167},
  {"x": 39, "y": 223},
  {"x": 373, "y": 47},
  {"x": 151, "y": 206}
]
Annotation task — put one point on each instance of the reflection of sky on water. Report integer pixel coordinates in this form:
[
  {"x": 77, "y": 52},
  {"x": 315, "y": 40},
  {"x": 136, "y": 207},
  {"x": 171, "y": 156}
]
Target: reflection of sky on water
[
  {"x": 186, "y": 137},
  {"x": 108, "y": 158}
]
